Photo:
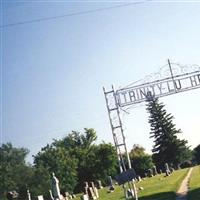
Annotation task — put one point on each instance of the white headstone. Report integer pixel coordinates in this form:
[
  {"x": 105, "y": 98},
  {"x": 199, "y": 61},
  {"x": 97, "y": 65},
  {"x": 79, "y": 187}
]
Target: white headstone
[
  {"x": 99, "y": 184},
  {"x": 50, "y": 194},
  {"x": 40, "y": 197},
  {"x": 29, "y": 195},
  {"x": 84, "y": 197},
  {"x": 96, "y": 192}
]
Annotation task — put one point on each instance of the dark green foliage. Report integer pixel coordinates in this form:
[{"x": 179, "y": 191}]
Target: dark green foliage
[
  {"x": 186, "y": 164},
  {"x": 76, "y": 159},
  {"x": 167, "y": 147},
  {"x": 196, "y": 153},
  {"x": 14, "y": 173},
  {"x": 39, "y": 183},
  {"x": 140, "y": 160},
  {"x": 102, "y": 162},
  {"x": 58, "y": 160}
]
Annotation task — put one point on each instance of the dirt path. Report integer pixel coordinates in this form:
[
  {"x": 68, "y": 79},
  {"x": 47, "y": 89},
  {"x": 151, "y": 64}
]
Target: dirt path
[{"x": 183, "y": 190}]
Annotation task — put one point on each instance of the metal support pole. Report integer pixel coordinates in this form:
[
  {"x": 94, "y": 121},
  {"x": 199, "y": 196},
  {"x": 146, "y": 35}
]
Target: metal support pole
[
  {"x": 122, "y": 131},
  {"x": 114, "y": 136},
  {"x": 117, "y": 130},
  {"x": 170, "y": 67}
]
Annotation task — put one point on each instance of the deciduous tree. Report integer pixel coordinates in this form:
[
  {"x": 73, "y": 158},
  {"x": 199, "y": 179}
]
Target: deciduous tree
[
  {"x": 14, "y": 172},
  {"x": 140, "y": 160}
]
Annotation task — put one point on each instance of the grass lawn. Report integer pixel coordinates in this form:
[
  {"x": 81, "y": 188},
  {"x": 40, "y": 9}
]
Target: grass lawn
[
  {"x": 155, "y": 188},
  {"x": 194, "y": 185}
]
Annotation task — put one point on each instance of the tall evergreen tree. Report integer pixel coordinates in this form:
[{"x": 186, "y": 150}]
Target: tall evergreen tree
[{"x": 167, "y": 147}]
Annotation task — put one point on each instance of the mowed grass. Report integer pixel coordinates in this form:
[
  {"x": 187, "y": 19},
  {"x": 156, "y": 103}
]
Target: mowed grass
[
  {"x": 160, "y": 187},
  {"x": 194, "y": 185},
  {"x": 155, "y": 188}
]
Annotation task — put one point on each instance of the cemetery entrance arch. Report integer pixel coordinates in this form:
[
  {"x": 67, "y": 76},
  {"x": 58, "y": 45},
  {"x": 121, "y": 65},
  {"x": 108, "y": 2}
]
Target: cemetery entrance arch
[{"x": 172, "y": 78}]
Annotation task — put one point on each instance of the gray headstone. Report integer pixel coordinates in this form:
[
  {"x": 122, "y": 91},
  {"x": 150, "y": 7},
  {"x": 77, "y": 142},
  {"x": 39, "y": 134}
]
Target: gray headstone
[
  {"x": 85, "y": 190},
  {"x": 150, "y": 173},
  {"x": 110, "y": 184},
  {"x": 55, "y": 187},
  {"x": 154, "y": 170},
  {"x": 99, "y": 185},
  {"x": 167, "y": 171},
  {"x": 86, "y": 184},
  {"x": 129, "y": 194}
]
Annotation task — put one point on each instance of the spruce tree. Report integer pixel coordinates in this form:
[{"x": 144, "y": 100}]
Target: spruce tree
[{"x": 167, "y": 147}]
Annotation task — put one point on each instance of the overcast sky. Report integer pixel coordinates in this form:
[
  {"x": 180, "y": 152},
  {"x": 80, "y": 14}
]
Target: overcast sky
[{"x": 53, "y": 70}]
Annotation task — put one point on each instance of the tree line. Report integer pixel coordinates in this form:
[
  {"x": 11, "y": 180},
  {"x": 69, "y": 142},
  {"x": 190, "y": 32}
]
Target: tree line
[{"x": 76, "y": 158}]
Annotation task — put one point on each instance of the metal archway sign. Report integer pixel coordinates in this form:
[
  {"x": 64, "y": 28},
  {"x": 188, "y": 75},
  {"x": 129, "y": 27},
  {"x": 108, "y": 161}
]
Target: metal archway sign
[{"x": 178, "y": 79}]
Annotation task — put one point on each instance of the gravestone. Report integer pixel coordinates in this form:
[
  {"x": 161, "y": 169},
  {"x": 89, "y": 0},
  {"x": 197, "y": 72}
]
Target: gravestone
[
  {"x": 91, "y": 193},
  {"x": 84, "y": 197},
  {"x": 161, "y": 171},
  {"x": 85, "y": 190},
  {"x": 28, "y": 195},
  {"x": 99, "y": 184},
  {"x": 62, "y": 197},
  {"x": 139, "y": 178},
  {"x": 96, "y": 192},
  {"x": 86, "y": 184},
  {"x": 129, "y": 194},
  {"x": 110, "y": 184},
  {"x": 92, "y": 185},
  {"x": 154, "y": 170},
  {"x": 55, "y": 187},
  {"x": 50, "y": 195},
  {"x": 172, "y": 170},
  {"x": 150, "y": 173},
  {"x": 167, "y": 171},
  {"x": 11, "y": 195},
  {"x": 40, "y": 197},
  {"x": 66, "y": 196},
  {"x": 141, "y": 188}
]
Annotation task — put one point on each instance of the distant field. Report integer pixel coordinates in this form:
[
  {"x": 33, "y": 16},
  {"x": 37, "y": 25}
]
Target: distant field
[
  {"x": 155, "y": 188},
  {"x": 194, "y": 191}
]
